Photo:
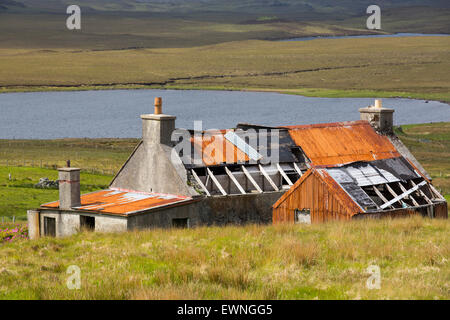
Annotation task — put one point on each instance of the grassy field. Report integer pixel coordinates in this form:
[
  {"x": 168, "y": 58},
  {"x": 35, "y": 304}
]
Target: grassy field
[
  {"x": 327, "y": 261},
  {"x": 430, "y": 144},
  {"x": 101, "y": 158},
  {"x": 19, "y": 194},
  {"x": 408, "y": 67}
]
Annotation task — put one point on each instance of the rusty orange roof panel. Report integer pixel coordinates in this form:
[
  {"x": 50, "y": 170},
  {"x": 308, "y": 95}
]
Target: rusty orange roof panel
[
  {"x": 342, "y": 142},
  {"x": 216, "y": 149},
  {"x": 123, "y": 202}
]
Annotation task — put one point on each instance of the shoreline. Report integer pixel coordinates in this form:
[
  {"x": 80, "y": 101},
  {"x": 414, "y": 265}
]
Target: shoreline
[{"x": 306, "y": 92}]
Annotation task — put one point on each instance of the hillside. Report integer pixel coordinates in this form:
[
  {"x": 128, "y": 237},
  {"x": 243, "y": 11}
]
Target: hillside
[
  {"x": 287, "y": 7},
  {"x": 161, "y": 24},
  {"x": 406, "y": 67}
]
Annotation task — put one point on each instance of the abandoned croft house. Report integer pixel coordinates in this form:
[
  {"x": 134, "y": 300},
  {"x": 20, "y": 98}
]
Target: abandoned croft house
[{"x": 321, "y": 172}]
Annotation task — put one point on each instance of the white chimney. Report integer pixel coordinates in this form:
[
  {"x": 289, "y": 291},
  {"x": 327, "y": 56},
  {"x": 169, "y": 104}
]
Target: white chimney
[{"x": 381, "y": 119}]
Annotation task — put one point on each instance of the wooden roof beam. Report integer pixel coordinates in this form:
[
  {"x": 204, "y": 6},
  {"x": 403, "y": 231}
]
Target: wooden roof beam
[
  {"x": 379, "y": 194},
  {"x": 421, "y": 192},
  {"x": 284, "y": 175},
  {"x": 216, "y": 182},
  {"x": 200, "y": 182},
  {"x": 404, "y": 194},
  {"x": 411, "y": 196},
  {"x": 265, "y": 174},
  {"x": 250, "y": 178},
  {"x": 298, "y": 169},
  {"x": 230, "y": 174}
]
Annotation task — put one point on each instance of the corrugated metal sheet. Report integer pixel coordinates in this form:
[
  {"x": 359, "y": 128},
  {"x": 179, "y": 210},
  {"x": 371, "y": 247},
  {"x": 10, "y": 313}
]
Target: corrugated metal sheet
[
  {"x": 374, "y": 172},
  {"x": 215, "y": 149},
  {"x": 231, "y": 146},
  {"x": 122, "y": 202},
  {"x": 239, "y": 143},
  {"x": 342, "y": 142},
  {"x": 362, "y": 175}
]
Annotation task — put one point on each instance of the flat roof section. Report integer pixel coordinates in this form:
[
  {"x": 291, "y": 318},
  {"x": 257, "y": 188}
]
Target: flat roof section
[{"x": 123, "y": 202}]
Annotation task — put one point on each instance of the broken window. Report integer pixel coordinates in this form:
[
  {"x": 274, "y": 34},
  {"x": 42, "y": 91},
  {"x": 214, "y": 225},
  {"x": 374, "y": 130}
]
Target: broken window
[
  {"x": 50, "y": 226},
  {"x": 180, "y": 223},
  {"x": 302, "y": 216},
  {"x": 87, "y": 223}
]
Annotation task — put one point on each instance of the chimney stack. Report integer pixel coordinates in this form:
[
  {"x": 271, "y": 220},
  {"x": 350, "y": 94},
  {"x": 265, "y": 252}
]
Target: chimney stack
[
  {"x": 157, "y": 128},
  {"x": 69, "y": 188},
  {"x": 381, "y": 119}
]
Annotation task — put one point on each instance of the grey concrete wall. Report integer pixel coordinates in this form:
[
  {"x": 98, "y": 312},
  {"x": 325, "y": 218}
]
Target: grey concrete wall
[
  {"x": 68, "y": 223},
  {"x": 110, "y": 223},
  {"x": 151, "y": 169},
  {"x": 218, "y": 210},
  {"x": 33, "y": 224}
]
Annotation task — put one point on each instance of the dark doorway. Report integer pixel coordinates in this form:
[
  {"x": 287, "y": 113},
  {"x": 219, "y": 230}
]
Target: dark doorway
[
  {"x": 50, "y": 226},
  {"x": 87, "y": 223},
  {"x": 180, "y": 223}
]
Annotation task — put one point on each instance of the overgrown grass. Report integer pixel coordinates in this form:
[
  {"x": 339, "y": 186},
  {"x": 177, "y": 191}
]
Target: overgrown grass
[{"x": 327, "y": 261}]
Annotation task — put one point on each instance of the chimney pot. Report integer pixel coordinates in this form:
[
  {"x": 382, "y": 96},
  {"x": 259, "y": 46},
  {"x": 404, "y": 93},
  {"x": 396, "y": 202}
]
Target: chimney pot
[
  {"x": 158, "y": 105},
  {"x": 378, "y": 104}
]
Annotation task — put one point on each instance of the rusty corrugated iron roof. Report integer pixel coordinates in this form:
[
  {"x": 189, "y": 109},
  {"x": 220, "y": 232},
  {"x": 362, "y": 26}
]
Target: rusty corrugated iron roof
[
  {"x": 342, "y": 142},
  {"x": 123, "y": 202},
  {"x": 216, "y": 149}
]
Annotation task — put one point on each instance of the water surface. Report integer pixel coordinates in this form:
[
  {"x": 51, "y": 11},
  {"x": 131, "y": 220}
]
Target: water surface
[{"x": 115, "y": 113}]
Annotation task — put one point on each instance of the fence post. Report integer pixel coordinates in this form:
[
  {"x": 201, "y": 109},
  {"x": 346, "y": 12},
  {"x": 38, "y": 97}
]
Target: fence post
[{"x": 14, "y": 219}]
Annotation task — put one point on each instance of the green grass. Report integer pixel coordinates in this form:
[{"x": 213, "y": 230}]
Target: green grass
[
  {"x": 405, "y": 67},
  {"x": 104, "y": 156},
  {"x": 19, "y": 194},
  {"x": 327, "y": 261},
  {"x": 430, "y": 144}
]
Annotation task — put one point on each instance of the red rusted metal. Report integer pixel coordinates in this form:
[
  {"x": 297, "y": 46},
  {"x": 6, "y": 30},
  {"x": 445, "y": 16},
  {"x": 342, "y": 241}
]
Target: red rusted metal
[
  {"x": 123, "y": 202},
  {"x": 342, "y": 142},
  {"x": 216, "y": 150}
]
